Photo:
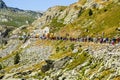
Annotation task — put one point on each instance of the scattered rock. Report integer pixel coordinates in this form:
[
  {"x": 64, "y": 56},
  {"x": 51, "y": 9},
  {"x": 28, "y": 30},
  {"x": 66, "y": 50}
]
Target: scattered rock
[
  {"x": 60, "y": 63},
  {"x": 48, "y": 66}
]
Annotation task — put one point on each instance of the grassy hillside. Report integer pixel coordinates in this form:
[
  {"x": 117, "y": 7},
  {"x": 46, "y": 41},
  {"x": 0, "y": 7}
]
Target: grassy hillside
[
  {"x": 17, "y": 18},
  {"x": 96, "y": 22}
]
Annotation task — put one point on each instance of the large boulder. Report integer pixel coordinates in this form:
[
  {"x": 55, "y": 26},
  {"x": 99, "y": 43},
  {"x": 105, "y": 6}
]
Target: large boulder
[
  {"x": 48, "y": 66},
  {"x": 61, "y": 63}
]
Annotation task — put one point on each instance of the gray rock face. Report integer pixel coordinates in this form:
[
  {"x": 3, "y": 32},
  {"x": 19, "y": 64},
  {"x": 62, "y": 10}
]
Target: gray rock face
[
  {"x": 60, "y": 63},
  {"x": 65, "y": 16},
  {"x": 110, "y": 56},
  {"x": 70, "y": 14},
  {"x": 12, "y": 46},
  {"x": 47, "y": 17},
  {"x": 48, "y": 66},
  {"x": 2, "y": 4},
  {"x": 33, "y": 55}
]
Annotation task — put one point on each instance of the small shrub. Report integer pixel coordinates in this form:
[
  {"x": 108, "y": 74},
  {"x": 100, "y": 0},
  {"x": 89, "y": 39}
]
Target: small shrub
[
  {"x": 57, "y": 49},
  {"x": 72, "y": 46},
  {"x": 16, "y": 59},
  {"x": 90, "y": 12},
  {"x": 20, "y": 38},
  {"x": 1, "y": 67},
  {"x": 93, "y": 66},
  {"x": 105, "y": 10}
]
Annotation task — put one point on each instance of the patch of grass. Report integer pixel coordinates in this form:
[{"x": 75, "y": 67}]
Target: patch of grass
[
  {"x": 7, "y": 69},
  {"x": 104, "y": 74},
  {"x": 17, "y": 19},
  {"x": 93, "y": 66},
  {"x": 102, "y": 20},
  {"x": 55, "y": 25},
  {"x": 62, "y": 8},
  {"x": 72, "y": 46},
  {"x": 82, "y": 2},
  {"x": 40, "y": 75},
  {"x": 35, "y": 67},
  {"x": 77, "y": 61},
  {"x": 10, "y": 55},
  {"x": 60, "y": 55},
  {"x": 116, "y": 78}
]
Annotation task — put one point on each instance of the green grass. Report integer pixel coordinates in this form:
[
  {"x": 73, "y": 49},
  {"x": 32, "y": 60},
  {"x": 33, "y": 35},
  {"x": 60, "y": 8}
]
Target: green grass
[
  {"x": 107, "y": 20},
  {"x": 11, "y": 54},
  {"x": 82, "y": 2},
  {"x": 105, "y": 74},
  {"x": 56, "y": 25},
  {"x": 16, "y": 19},
  {"x": 78, "y": 60},
  {"x": 102, "y": 20}
]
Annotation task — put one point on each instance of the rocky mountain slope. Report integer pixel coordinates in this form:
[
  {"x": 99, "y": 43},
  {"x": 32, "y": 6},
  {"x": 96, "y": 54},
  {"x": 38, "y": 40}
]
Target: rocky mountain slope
[
  {"x": 16, "y": 17},
  {"x": 2, "y": 4},
  {"x": 86, "y": 17},
  {"x": 12, "y": 18},
  {"x": 58, "y": 60},
  {"x": 31, "y": 58}
]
